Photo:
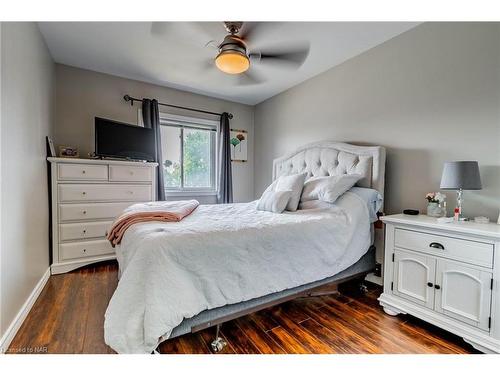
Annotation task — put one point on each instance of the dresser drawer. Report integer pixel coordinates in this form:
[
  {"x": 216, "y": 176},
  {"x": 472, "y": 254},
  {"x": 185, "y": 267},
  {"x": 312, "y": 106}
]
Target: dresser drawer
[
  {"x": 82, "y": 231},
  {"x": 82, "y": 172},
  {"x": 85, "y": 249},
  {"x": 103, "y": 192},
  {"x": 469, "y": 251},
  {"x": 91, "y": 211},
  {"x": 130, "y": 173}
]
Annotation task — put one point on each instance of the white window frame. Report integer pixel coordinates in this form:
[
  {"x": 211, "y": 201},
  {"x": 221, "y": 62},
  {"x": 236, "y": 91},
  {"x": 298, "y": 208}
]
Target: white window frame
[{"x": 187, "y": 122}]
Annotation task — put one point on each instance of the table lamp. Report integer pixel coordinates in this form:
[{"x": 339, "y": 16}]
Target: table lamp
[{"x": 459, "y": 176}]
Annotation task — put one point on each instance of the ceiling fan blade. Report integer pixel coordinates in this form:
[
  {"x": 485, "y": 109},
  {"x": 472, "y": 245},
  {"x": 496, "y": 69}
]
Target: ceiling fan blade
[
  {"x": 249, "y": 78},
  {"x": 293, "y": 57},
  {"x": 255, "y": 33},
  {"x": 248, "y": 29}
]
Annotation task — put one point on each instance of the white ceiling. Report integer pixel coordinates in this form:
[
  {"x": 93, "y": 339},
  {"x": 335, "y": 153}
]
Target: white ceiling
[{"x": 173, "y": 54}]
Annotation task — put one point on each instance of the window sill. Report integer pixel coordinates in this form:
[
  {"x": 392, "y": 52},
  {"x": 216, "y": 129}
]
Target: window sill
[{"x": 189, "y": 193}]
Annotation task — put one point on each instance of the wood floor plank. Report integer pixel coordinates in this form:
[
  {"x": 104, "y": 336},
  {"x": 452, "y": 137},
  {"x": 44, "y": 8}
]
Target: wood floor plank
[
  {"x": 358, "y": 323},
  {"x": 285, "y": 340},
  {"x": 237, "y": 339},
  {"x": 264, "y": 343},
  {"x": 350, "y": 336},
  {"x": 293, "y": 328},
  {"x": 68, "y": 317}
]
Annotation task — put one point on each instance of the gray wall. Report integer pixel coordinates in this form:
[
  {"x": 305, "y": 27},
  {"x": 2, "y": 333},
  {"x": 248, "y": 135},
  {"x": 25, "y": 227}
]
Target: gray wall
[
  {"x": 82, "y": 94},
  {"x": 27, "y": 87},
  {"x": 429, "y": 95}
]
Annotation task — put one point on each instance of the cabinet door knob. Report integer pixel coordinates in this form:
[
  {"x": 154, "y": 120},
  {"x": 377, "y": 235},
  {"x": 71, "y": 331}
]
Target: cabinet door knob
[
  {"x": 436, "y": 245},
  {"x": 430, "y": 285},
  {"x": 437, "y": 287}
]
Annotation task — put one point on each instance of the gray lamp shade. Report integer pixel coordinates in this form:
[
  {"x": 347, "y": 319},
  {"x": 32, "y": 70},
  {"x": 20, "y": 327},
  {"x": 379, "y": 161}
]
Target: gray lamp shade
[{"x": 461, "y": 175}]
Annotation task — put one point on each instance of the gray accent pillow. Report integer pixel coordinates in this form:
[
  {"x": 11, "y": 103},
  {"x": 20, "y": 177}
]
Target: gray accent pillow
[
  {"x": 293, "y": 183},
  {"x": 328, "y": 189},
  {"x": 274, "y": 201}
]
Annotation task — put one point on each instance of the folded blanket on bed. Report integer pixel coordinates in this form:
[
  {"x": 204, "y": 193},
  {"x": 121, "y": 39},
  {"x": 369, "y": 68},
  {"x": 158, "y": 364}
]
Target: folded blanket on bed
[{"x": 151, "y": 211}]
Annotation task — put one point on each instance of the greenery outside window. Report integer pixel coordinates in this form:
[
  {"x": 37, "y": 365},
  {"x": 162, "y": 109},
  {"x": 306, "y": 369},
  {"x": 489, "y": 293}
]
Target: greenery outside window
[{"x": 189, "y": 153}]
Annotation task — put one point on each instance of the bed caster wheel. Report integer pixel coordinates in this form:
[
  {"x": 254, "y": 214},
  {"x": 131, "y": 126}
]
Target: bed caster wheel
[
  {"x": 363, "y": 288},
  {"x": 218, "y": 345}
]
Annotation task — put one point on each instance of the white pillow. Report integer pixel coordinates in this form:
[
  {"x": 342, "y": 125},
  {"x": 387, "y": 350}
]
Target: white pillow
[
  {"x": 293, "y": 183},
  {"x": 329, "y": 188},
  {"x": 274, "y": 201}
]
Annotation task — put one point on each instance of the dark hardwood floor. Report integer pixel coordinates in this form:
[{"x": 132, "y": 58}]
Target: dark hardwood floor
[{"x": 68, "y": 317}]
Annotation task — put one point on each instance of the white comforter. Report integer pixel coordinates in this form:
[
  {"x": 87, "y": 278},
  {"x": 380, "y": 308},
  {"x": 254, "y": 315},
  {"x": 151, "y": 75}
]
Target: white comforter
[{"x": 224, "y": 254}]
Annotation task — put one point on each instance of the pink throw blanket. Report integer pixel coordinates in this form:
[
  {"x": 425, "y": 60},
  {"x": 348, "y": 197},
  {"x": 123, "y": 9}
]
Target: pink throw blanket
[{"x": 151, "y": 211}]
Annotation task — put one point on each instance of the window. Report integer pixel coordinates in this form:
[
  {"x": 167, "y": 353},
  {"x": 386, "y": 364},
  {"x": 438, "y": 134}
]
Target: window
[{"x": 189, "y": 153}]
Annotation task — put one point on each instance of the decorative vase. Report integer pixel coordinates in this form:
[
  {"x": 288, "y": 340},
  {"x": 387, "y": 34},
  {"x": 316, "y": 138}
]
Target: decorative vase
[{"x": 434, "y": 209}]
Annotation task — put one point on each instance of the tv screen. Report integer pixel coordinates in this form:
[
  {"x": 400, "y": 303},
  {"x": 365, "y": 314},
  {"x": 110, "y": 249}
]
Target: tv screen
[{"x": 119, "y": 140}]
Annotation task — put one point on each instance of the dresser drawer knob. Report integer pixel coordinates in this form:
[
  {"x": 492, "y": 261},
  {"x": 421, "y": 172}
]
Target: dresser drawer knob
[
  {"x": 84, "y": 171},
  {"x": 84, "y": 250},
  {"x": 84, "y": 193},
  {"x": 437, "y": 287},
  {"x": 84, "y": 212},
  {"x": 430, "y": 285},
  {"x": 436, "y": 245},
  {"x": 84, "y": 231}
]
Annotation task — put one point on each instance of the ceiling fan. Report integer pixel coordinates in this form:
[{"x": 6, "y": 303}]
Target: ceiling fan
[{"x": 235, "y": 57}]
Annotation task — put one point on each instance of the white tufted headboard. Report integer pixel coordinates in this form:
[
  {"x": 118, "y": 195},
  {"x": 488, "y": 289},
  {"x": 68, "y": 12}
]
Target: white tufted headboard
[{"x": 328, "y": 158}]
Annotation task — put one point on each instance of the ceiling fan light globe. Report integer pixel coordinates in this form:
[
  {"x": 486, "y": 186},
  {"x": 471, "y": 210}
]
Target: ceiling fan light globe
[{"x": 232, "y": 62}]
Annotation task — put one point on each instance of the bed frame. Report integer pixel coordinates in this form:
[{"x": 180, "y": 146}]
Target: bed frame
[{"x": 317, "y": 159}]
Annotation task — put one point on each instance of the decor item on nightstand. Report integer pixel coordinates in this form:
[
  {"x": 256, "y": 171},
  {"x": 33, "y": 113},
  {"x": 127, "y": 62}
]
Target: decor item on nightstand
[
  {"x": 459, "y": 176},
  {"x": 436, "y": 204}
]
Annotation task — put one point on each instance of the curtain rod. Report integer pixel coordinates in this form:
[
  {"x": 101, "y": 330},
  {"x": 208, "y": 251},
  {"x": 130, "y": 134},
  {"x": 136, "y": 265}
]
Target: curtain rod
[{"x": 131, "y": 99}]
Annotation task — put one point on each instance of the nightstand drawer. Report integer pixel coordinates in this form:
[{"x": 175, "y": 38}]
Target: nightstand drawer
[{"x": 473, "y": 252}]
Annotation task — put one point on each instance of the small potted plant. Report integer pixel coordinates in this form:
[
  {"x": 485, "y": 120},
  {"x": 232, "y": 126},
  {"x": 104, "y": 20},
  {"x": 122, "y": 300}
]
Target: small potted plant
[{"x": 436, "y": 204}]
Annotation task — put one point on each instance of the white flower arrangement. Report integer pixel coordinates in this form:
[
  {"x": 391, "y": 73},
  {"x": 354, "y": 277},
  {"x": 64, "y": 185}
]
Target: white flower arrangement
[{"x": 436, "y": 197}]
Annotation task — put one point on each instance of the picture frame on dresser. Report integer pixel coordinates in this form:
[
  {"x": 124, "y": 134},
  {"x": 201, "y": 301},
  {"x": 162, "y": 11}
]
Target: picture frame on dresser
[
  {"x": 86, "y": 196},
  {"x": 447, "y": 274}
]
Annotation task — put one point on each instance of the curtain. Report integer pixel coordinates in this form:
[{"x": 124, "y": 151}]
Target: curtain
[
  {"x": 225, "y": 185},
  {"x": 151, "y": 119}
]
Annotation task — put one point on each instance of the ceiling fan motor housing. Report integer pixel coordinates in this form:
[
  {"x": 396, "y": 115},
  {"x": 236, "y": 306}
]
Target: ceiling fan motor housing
[{"x": 233, "y": 43}]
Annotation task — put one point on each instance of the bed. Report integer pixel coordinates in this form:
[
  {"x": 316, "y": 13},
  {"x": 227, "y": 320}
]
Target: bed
[{"x": 224, "y": 261}]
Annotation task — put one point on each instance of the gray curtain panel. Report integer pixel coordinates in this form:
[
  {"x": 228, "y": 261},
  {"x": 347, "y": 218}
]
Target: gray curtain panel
[
  {"x": 225, "y": 193},
  {"x": 151, "y": 119}
]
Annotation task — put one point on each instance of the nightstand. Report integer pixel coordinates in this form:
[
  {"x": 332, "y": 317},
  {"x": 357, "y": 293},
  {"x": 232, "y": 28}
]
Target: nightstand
[{"x": 447, "y": 274}]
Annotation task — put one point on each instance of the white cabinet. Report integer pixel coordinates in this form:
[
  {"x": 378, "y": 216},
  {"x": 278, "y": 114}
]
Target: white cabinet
[
  {"x": 414, "y": 277},
  {"x": 86, "y": 196},
  {"x": 463, "y": 293},
  {"x": 446, "y": 274}
]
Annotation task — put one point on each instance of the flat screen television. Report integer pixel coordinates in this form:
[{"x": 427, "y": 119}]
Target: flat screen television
[{"x": 124, "y": 141}]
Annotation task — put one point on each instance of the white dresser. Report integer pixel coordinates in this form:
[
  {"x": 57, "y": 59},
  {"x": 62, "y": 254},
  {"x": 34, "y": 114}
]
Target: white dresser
[
  {"x": 87, "y": 194},
  {"x": 447, "y": 274}
]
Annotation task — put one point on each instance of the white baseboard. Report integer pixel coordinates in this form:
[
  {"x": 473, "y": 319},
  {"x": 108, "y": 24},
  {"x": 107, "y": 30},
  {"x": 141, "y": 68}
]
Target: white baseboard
[
  {"x": 10, "y": 333},
  {"x": 374, "y": 279}
]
